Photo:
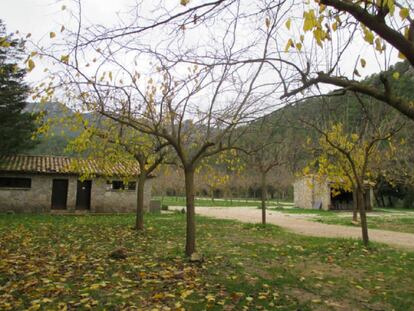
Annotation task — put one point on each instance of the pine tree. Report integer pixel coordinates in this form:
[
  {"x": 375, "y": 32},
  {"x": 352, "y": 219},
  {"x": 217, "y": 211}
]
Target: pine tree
[{"x": 16, "y": 126}]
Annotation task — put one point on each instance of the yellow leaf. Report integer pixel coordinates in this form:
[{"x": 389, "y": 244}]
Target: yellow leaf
[
  {"x": 310, "y": 20},
  {"x": 210, "y": 298},
  {"x": 299, "y": 46},
  {"x": 184, "y": 2},
  {"x": 378, "y": 45},
  {"x": 94, "y": 286},
  {"x": 158, "y": 296},
  {"x": 368, "y": 35},
  {"x": 288, "y": 24},
  {"x": 52, "y": 35},
  {"x": 289, "y": 44},
  {"x": 267, "y": 21},
  {"x": 30, "y": 65},
  {"x": 404, "y": 13},
  {"x": 186, "y": 293},
  {"x": 4, "y": 43},
  {"x": 335, "y": 26},
  {"x": 396, "y": 75},
  {"x": 363, "y": 63},
  {"x": 391, "y": 6},
  {"x": 64, "y": 59}
]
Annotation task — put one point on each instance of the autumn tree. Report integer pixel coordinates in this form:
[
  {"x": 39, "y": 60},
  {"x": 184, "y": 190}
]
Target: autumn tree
[
  {"x": 352, "y": 157},
  {"x": 151, "y": 88},
  {"x": 321, "y": 45},
  {"x": 336, "y": 27},
  {"x": 118, "y": 145},
  {"x": 109, "y": 144},
  {"x": 214, "y": 173}
]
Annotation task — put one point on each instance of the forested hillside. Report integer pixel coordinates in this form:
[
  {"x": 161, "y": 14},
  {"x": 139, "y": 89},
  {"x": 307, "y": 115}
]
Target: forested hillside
[{"x": 58, "y": 136}]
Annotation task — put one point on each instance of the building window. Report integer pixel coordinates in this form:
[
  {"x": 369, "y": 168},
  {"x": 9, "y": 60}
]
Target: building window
[
  {"x": 132, "y": 185},
  {"x": 117, "y": 185},
  {"x": 15, "y": 182},
  {"x": 120, "y": 185}
]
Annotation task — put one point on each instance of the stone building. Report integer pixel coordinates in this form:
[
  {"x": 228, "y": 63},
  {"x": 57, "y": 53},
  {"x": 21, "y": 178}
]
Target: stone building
[
  {"x": 315, "y": 193},
  {"x": 41, "y": 184}
]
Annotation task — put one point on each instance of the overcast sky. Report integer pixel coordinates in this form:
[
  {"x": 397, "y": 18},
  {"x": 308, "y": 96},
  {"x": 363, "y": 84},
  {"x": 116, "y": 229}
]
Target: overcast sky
[{"x": 39, "y": 17}]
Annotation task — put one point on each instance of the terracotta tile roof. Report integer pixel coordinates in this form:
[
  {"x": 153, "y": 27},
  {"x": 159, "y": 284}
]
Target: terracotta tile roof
[{"x": 64, "y": 165}]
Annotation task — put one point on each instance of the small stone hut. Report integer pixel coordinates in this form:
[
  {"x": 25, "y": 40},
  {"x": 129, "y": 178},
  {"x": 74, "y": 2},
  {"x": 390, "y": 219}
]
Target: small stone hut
[
  {"x": 312, "y": 192},
  {"x": 43, "y": 184}
]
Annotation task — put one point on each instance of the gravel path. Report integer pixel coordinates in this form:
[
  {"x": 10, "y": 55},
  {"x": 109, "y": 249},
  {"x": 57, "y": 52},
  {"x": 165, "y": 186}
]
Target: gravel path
[{"x": 301, "y": 226}]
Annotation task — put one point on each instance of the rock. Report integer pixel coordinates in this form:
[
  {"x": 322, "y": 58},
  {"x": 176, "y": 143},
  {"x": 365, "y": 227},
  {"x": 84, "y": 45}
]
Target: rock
[
  {"x": 196, "y": 257},
  {"x": 120, "y": 253}
]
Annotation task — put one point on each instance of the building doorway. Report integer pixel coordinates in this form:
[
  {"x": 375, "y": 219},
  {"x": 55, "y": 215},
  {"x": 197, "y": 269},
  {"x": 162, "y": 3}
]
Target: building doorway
[
  {"x": 59, "y": 193},
  {"x": 344, "y": 200},
  {"x": 83, "y": 195}
]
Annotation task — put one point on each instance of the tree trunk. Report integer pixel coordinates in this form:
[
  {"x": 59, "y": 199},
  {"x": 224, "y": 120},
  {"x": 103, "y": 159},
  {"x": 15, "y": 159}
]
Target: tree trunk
[
  {"x": 382, "y": 200},
  {"x": 263, "y": 197},
  {"x": 390, "y": 204},
  {"x": 377, "y": 199},
  {"x": 363, "y": 215},
  {"x": 190, "y": 246},
  {"x": 354, "y": 206},
  {"x": 367, "y": 198},
  {"x": 139, "y": 220}
]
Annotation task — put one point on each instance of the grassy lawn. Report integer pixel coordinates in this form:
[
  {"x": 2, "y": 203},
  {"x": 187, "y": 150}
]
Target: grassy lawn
[
  {"x": 400, "y": 220},
  {"x": 296, "y": 210},
  {"x": 392, "y": 223},
  {"x": 61, "y": 262},
  {"x": 180, "y": 201}
]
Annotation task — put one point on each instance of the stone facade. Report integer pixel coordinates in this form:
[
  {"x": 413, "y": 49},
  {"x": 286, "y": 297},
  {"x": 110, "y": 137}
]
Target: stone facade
[
  {"x": 309, "y": 190},
  {"x": 37, "y": 198},
  {"x": 105, "y": 200}
]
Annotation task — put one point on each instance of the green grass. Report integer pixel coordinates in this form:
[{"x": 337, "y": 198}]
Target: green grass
[
  {"x": 59, "y": 262},
  {"x": 395, "y": 210},
  {"x": 392, "y": 223},
  {"x": 400, "y": 220},
  {"x": 180, "y": 201},
  {"x": 296, "y": 210}
]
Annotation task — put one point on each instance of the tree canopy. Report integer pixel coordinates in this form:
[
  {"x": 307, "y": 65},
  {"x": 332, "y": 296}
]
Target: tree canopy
[{"x": 16, "y": 126}]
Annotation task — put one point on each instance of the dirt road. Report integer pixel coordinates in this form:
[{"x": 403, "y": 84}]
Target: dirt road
[{"x": 295, "y": 224}]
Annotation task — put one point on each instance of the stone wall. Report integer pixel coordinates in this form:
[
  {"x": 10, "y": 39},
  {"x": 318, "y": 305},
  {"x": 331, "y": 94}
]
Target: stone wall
[
  {"x": 302, "y": 193},
  {"x": 105, "y": 200},
  {"x": 322, "y": 193},
  {"x": 308, "y": 190},
  {"x": 38, "y": 198},
  {"x": 17, "y": 200}
]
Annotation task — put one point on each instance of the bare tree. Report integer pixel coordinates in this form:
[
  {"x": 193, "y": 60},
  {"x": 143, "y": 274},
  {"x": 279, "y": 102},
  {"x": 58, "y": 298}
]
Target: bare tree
[
  {"x": 195, "y": 109},
  {"x": 265, "y": 154}
]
